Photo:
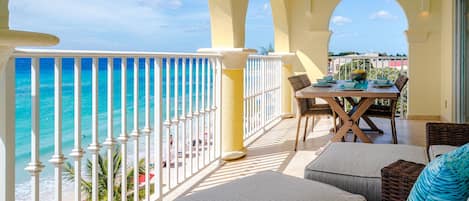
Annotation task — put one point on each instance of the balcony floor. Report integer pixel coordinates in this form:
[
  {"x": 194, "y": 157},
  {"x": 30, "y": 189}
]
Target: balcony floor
[{"x": 274, "y": 150}]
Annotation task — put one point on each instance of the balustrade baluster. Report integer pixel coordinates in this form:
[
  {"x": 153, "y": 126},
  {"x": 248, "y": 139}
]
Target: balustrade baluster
[
  {"x": 123, "y": 138},
  {"x": 136, "y": 132},
  {"x": 167, "y": 123},
  {"x": 35, "y": 166},
  {"x": 94, "y": 146},
  {"x": 147, "y": 129},
  {"x": 58, "y": 158},
  {"x": 158, "y": 127},
  {"x": 77, "y": 152}
]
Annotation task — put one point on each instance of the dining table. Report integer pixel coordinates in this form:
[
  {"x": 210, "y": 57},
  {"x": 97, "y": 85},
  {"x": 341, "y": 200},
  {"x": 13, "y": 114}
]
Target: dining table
[{"x": 366, "y": 95}]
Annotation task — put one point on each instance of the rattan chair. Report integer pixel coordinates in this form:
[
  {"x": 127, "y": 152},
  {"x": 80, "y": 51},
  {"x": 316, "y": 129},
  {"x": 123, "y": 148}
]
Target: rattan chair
[
  {"x": 307, "y": 107},
  {"x": 386, "y": 111},
  {"x": 399, "y": 177}
]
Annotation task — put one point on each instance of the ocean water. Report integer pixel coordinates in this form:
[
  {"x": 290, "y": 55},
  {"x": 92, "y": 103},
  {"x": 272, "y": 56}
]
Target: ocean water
[{"x": 23, "y": 105}]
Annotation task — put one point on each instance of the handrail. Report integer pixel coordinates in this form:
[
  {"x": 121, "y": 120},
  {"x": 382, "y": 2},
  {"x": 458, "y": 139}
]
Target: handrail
[
  {"x": 369, "y": 57},
  {"x": 94, "y": 53}
]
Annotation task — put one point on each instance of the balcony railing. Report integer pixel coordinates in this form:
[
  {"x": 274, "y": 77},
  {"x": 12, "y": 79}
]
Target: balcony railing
[
  {"x": 151, "y": 120},
  {"x": 389, "y": 67},
  {"x": 262, "y": 94}
]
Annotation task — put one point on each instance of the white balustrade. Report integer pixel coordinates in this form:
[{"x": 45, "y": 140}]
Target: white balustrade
[
  {"x": 377, "y": 66},
  {"x": 185, "y": 128},
  {"x": 262, "y": 94}
]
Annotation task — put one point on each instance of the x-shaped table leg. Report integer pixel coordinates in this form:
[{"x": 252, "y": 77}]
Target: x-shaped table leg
[
  {"x": 350, "y": 121},
  {"x": 366, "y": 118}
]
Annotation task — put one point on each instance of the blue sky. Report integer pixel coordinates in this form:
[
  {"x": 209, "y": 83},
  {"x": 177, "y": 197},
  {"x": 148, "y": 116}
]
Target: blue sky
[{"x": 184, "y": 25}]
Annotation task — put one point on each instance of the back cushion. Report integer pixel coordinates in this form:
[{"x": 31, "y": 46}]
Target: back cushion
[{"x": 445, "y": 178}]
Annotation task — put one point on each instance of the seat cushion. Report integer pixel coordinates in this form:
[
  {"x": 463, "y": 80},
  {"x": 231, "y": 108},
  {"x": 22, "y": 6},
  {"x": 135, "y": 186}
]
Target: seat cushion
[
  {"x": 437, "y": 150},
  {"x": 445, "y": 178},
  {"x": 356, "y": 167},
  {"x": 272, "y": 186}
]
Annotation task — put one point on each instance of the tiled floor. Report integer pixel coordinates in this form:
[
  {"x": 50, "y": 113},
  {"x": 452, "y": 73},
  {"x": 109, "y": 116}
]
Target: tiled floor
[{"x": 274, "y": 150}]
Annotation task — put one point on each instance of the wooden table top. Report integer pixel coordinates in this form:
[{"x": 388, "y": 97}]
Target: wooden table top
[{"x": 371, "y": 92}]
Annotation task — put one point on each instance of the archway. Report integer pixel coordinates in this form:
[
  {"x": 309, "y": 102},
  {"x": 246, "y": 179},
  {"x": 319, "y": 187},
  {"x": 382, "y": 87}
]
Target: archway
[
  {"x": 369, "y": 35},
  {"x": 259, "y": 27}
]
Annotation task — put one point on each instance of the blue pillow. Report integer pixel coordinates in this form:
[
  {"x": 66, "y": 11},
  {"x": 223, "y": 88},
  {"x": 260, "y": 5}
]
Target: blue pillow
[{"x": 444, "y": 178}]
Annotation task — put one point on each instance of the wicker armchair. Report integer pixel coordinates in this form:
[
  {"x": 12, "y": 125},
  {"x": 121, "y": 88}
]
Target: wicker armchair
[
  {"x": 384, "y": 111},
  {"x": 307, "y": 107},
  {"x": 399, "y": 177}
]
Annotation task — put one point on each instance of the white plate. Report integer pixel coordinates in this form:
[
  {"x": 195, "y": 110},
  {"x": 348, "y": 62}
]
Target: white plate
[{"x": 322, "y": 85}]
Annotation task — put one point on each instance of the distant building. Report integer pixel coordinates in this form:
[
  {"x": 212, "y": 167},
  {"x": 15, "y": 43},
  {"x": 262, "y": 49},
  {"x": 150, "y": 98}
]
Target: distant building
[{"x": 374, "y": 60}]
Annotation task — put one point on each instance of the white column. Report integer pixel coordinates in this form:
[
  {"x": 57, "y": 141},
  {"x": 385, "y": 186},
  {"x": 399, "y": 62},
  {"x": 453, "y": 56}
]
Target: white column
[{"x": 7, "y": 127}]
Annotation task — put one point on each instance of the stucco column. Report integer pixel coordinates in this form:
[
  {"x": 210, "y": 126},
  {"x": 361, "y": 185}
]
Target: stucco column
[
  {"x": 287, "y": 94},
  {"x": 10, "y": 39},
  {"x": 7, "y": 126},
  {"x": 228, "y": 21},
  {"x": 424, "y": 75},
  {"x": 312, "y": 57},
  {"x": 232, "y": 100}
]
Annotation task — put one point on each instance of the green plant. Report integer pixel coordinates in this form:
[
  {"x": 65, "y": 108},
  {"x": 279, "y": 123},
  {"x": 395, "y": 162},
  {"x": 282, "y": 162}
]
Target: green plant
[
  {"x": 266, "y": 50},
  {"x": 86, "y": 184}
]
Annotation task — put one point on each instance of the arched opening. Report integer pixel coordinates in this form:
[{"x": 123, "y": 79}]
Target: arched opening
[
  {"x": 369, "y": 35},
  {"x": 259, "y": 27}
]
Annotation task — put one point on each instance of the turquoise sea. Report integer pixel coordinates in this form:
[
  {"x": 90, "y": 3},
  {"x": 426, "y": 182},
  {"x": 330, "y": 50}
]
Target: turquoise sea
[{"x": 23, "y": 103}]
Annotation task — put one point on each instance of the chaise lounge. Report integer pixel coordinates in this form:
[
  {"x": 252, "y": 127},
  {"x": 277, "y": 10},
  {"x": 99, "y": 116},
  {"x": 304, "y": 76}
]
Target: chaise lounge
[
  {"x": 358, "y": 167},
  {"x": 347, "y": 171}
]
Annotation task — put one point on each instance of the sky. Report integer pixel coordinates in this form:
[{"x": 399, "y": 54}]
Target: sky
[{"x": 184, "y": 25}]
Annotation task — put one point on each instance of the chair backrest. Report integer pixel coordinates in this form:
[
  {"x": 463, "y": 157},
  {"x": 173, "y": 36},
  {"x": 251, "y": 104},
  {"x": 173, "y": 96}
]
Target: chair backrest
[
  {"x": 305, "y": 79},
  {"x": 299, "y": 82},
  {"x": 401, "y": 82}
]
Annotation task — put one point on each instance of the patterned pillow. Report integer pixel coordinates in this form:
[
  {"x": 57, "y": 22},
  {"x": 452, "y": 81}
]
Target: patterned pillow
[{"x": 444, "y": 178}]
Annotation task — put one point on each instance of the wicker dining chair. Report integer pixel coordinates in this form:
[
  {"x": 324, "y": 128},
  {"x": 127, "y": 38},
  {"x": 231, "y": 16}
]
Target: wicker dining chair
[
  {"x": 307, "y": 107},
  {"x": 386, "y": 111}
]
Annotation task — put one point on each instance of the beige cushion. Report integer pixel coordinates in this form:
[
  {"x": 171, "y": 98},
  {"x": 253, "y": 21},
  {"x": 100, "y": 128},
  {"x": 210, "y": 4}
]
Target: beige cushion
[
  {"x": 356, "y": 167},
  {"x": 437, "y": 150},
  {"x": 272, "y": 186}
]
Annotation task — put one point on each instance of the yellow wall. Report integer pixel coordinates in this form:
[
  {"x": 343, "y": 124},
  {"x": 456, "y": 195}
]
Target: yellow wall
[
  {"x": 228, "y": 23},
  {"x": 429, "y": 39},
  {"x": 302, "y": 27},
  {"x": 309, "y": 25},
  {"x": 447, "y": 36}
]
